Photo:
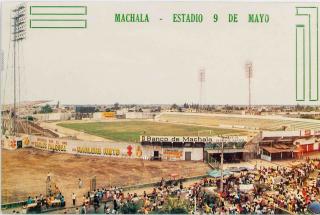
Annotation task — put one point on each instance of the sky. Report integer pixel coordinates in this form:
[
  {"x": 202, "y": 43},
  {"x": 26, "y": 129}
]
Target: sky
[{"x": 158, "y": 62}]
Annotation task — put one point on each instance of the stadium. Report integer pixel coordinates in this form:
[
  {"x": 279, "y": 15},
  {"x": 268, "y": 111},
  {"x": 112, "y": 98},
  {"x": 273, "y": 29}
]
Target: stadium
[{"x": 146, "y": 150}]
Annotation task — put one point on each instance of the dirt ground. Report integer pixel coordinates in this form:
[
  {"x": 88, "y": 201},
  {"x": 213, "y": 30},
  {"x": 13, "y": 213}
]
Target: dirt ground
[{"x": 24, "y": 172}]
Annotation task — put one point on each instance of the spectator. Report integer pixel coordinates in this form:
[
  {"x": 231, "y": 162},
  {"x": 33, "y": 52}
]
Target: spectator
[
  {"x": 83, "y": 209},
  {"x": 80, "y": 183},
  {"x": 62, "y": 201},
  {"x": 30, "y": 200},
  {"x": 49, "y": 176},
  {"x": 74, "y": 199}
]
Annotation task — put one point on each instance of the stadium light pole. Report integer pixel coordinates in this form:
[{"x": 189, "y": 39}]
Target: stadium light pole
[
  {"x": 249, "y": 73},
  {"x": 19, "y": 34},
  {"x": 202, "y": 79}
]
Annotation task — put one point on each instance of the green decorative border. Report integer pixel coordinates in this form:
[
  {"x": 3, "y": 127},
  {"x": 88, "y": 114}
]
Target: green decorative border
[
  {"x": 84, "y": 21},
  {"x": 55, "y": 14},
  {"x": 304, "y": 65},
  {"x": 317, "y": 57},
  {"x": 64, "y": 20}
]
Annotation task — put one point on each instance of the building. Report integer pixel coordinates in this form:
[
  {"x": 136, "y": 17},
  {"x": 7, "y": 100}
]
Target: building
[
  {"x": 204, "y": 148},
  {"x": 279, "y": 145},
  {"x": 172, "y": 148},
  {"x": 84, "y": 111},
  {"x": 232, "y": 147}
]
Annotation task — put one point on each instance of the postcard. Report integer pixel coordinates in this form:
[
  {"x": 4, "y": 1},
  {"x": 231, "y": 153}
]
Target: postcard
[{"x": 162, "y": 107}]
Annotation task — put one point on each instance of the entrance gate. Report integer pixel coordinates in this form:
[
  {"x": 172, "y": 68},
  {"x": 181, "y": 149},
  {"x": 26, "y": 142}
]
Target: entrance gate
[{"x": 187, "y": 156}]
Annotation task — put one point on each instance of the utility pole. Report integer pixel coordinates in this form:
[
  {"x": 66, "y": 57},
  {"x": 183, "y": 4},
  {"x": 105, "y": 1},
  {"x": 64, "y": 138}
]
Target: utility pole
[
  {"x": 14, "y": 76},
  {"x": 1, "y": 71},
  {"x": 195, "y": 204},
  {"x": 19, "y": 34},
  {"x": 221, "y": 178}
]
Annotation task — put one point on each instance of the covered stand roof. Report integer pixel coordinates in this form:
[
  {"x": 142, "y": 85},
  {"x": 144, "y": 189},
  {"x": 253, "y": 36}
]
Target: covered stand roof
[{"x": 278, "y": 148}]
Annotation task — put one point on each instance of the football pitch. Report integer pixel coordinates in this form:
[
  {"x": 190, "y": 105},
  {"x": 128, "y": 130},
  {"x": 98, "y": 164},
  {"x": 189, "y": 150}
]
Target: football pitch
[{"x": 130, "y": 131}]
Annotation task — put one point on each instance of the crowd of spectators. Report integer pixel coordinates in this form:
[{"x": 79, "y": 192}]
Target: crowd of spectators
[
  {"x": 42, "y": 203},
  {"x": 266, "y": 190},
  {"x": 263, "y": 191},
  {"x": 53, "y": 199}
]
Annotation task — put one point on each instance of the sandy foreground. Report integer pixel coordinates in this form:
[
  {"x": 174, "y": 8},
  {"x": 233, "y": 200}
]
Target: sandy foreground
[{"x": 24, "y": 172}]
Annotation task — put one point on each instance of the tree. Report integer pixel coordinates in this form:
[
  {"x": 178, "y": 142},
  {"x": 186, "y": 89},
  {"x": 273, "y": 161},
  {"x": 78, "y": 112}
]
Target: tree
[
  {"x": 186, "y": 105},
  {"x": 179, "y": 210},
  {"x": 299, "y": 107},
  {"x": 309, "y": 108},
  {"x": 46, "y": 109},
  {"x": 174, "y": 107},
  {"x": 116, "y": 106},
  {"x": 175, "y": 206},
  {"x": 130, "y": 208}
]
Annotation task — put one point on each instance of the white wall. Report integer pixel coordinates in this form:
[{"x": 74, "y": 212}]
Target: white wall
[
  {"x": 196, "y": 153},
  {"x": 52, "y": 116},
  {"x": 97, "y": 115},
  {"x": 265, "y": 157},
  {"x": 280, "y": 134},
  {"x": 139, "y": 115},
  {"x": 304, "y": 141}
]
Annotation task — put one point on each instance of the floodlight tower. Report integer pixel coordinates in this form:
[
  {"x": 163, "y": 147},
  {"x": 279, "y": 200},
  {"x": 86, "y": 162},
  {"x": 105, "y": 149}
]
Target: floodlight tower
[
  {"x": 202, "y": 79},
  {"x": 18, "y": 32},
  {"x": 249, "y": 75}
]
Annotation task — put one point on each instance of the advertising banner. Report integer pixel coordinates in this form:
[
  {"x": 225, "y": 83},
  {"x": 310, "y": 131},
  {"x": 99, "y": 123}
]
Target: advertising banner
[
  {"x": 110, "y": 149},
  {"x": 193, "y": 139}
]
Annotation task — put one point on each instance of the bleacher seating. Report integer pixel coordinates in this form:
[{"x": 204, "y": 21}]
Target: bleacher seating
[{"x": 241, "y": 122}]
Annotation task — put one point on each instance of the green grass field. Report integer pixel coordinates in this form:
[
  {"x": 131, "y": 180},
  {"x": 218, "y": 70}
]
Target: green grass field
[{"x": 131, "y": 130}]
